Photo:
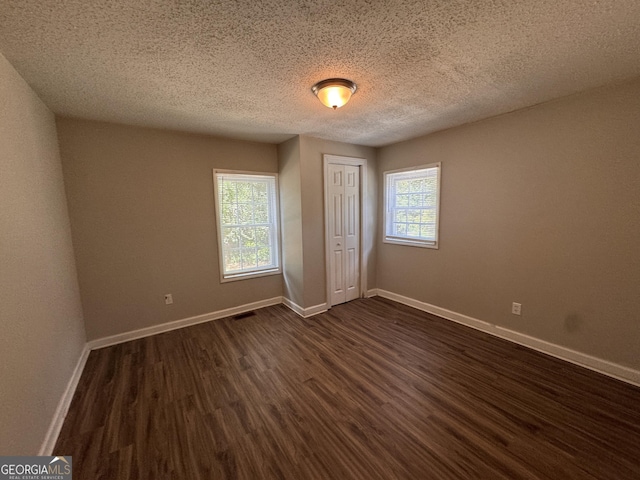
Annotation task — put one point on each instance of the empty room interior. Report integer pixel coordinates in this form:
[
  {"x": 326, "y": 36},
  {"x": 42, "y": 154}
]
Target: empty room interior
[{"x": 321, "y": 239}]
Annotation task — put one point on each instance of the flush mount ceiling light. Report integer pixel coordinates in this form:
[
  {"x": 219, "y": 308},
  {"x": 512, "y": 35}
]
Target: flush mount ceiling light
[{"x": 334, "y": 92}]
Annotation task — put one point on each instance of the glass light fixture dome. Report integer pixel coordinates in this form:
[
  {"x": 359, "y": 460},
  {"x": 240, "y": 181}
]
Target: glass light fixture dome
[{"x": 334, "y": 92}]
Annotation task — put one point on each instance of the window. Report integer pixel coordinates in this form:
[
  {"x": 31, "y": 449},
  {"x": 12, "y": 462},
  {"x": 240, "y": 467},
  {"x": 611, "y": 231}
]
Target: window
[
  {"x": 412, "y": 202},
  {"x": 247, "y": 211}
]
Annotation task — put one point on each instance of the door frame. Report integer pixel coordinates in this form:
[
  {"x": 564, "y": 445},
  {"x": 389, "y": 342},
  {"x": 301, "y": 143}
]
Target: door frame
[{"x": 357, "y": 162}]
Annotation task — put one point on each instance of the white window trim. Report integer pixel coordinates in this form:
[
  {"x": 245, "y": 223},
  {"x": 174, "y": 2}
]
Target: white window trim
[
  {"x": 253, "y": 274},
  {"x": 407, "y": 241}
]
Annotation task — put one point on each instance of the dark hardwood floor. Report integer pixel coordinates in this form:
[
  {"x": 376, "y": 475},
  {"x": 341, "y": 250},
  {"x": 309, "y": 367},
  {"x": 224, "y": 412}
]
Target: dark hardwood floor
[{"x": 369, "y": 390}]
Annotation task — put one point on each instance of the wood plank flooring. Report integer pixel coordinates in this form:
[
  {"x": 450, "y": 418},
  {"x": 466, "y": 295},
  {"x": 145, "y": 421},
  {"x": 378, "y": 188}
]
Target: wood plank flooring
[{"x": 369, "y": 390}]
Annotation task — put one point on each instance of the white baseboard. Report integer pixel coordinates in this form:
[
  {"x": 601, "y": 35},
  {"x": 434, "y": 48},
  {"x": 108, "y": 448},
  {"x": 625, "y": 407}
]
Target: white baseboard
[
  {"x": 371, "y": 293},
  {"x": 305, "y": 312},
  {"x": 599, "y": 365},
  {"x": 62, "y": 409},
  {"x": 185, "y": 322}
]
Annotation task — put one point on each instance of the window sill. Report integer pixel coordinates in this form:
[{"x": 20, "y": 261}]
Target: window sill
[
  {"x": 248, "y": 275},
  {"x": 411, "y": 243}
]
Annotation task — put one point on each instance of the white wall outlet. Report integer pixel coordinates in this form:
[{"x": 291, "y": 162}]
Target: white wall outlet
[
  {"x": 516, "y": 308},
  {"x": 168, "y": 299}
]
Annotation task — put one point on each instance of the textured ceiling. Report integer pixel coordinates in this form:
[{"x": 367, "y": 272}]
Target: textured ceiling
[{"x": 244, "y": 68}]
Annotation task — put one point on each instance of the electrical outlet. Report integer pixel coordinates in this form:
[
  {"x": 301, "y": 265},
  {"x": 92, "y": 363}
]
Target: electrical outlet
[
  {"x": 168, "y": 299},
  {"x": 516, "y": 308}
]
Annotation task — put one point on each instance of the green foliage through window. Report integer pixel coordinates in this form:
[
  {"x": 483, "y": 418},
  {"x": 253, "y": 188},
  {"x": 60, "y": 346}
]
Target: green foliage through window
[
  {"x": 412, "y": 199},
  {"x": 246, "y": 205}
]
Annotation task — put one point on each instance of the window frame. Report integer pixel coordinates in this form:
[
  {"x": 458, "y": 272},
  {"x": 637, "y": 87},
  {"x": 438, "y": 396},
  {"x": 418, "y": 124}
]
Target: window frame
[
  {"x": 262, "y": 272},
  {"x": 388, "y": 215}
]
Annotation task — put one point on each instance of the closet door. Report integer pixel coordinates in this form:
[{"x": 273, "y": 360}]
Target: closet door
[{"x": 344, "y": 232}]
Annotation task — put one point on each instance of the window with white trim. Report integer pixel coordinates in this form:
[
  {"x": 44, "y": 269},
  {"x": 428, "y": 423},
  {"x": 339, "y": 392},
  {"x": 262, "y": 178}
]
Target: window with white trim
[
  {"x": 247, "y": 211},
  {"x": 412, "y": 203}
]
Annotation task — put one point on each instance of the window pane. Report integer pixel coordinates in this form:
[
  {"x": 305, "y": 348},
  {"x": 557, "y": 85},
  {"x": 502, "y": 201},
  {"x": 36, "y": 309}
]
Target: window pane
[
  {"x": 428, "y": 216},
  {"x": 430, "y": 199},
  {"x": 415, "y": 200},
  {"x": 264, "y": 257},
  {"x": 427, "y": 231},
  {"x": 413, "y": 230},
  {"x": 416, "y": 185},
  {"x": 262, "y": 236},
  {"x": 249, "y": 258},
  {"x": 243, "y": 192},
  {"x": 245, "y": 214},
  {"x": 400, "y": 229},
  {"x": 230, "y": 238},
  {"x": 402, "y": 186},
  {"x": 261, "y": 213},
  {"x": 232, "y": 260},
  {"x": 402, "y": 200},
  {"x": 228, "y": 192},
  {"x": 247, "y": 236},
  {"x": 229, "y": 214},
  {"x": 260, "y": 190}
]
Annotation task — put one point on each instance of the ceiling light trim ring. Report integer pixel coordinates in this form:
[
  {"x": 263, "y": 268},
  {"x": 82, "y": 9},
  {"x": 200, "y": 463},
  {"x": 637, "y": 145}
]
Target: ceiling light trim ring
[{"x": 334, "y": 81}]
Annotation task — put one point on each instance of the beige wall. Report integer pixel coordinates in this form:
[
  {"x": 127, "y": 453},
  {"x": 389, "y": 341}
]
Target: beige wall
[
  {"x": 541, "y": 207},
  {"x": 291, "y": 220},
  {"x": 143, "y": 225},
  {"x": 312, "y": 172},
  {"x": 41, "y": 316}
]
